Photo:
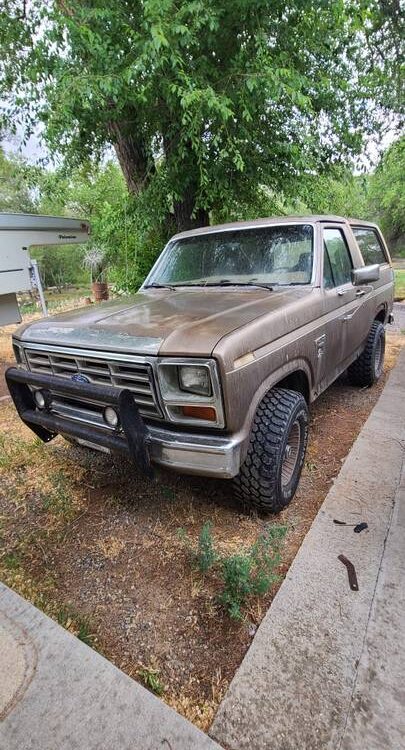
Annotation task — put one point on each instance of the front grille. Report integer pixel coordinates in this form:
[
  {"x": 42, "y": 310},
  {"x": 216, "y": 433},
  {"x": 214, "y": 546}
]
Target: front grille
[{"x": 137, "y": 377}]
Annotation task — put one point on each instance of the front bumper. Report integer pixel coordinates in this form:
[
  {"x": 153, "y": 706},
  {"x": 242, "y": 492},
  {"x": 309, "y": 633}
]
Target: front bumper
[
  {"x": 204, "y": 455},
  {"x": 207, "y": 455}
]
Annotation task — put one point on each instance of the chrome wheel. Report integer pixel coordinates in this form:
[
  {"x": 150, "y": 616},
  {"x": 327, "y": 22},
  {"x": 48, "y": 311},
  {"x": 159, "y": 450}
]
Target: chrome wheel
[
  {"x": 379, "y": 357},
  {"x": 291, "y": 454}
]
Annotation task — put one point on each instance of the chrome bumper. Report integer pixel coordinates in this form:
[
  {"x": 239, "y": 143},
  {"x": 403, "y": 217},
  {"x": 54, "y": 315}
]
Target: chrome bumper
[{"x": 204, "y": 455}]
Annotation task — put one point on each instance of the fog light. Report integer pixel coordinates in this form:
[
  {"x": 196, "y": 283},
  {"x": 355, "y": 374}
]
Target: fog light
[
  {"x": 40, "y": 399},
  {"x": 110, "y": 416}
]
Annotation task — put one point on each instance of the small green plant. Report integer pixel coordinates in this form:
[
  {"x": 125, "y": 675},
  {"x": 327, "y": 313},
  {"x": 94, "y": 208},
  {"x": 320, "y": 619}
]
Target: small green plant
[
  {"x": 11, "y": 561},
  {"x": 151, "y": 680},
  {"x": 58, "y": 499},
  {"x": 206, "y": 555},
  {"x": 169, "y": 493},
  {"x": 76, "y": 624},
  {"x": 236, "y": 574},
  {"x": 251, "y": 573}
]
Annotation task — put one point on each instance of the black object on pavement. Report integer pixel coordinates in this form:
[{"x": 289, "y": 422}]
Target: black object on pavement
[{"x": 351, "y": 572}]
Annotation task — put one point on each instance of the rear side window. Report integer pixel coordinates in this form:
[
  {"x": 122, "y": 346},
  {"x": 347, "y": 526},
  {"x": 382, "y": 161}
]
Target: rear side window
[
  {"x": 370, "y": 245},
  {"x": 337, "y": 264}
]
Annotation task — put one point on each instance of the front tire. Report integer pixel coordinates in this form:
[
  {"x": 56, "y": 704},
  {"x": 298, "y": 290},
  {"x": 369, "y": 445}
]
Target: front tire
[
  {"x": 368, "y": 368},
  {"x": 269, "y": 476}
]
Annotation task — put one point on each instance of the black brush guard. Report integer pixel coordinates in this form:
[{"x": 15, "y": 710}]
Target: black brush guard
[{"x": 132, "y": 438}]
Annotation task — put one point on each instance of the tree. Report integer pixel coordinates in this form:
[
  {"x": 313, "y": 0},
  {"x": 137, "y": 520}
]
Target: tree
[
  {"x": 202, "y": 100},
  {"x": 338, "y": 192},
  {"x": 16, "y": 185},
  {"x": 387, "y": 193}
]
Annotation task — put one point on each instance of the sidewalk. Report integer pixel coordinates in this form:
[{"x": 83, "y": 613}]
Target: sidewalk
[
  {"x": 326, "y": 670},
  {"x": 56, "y": 693}
]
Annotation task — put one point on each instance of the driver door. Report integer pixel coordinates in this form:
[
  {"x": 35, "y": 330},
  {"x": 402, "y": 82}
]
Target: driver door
[{"x": 342, "y": 303}]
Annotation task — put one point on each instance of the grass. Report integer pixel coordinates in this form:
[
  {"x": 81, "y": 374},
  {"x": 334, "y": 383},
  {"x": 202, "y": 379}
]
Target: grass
[
  {"x": 77, "y": 625},
  {"x": 58, "y": 499},
  {"x": 39, "y": 489},
  {"x": 399, "y": 284},
  {"x": 55, "y": 301},
  {"x": 151, "y": 679}
]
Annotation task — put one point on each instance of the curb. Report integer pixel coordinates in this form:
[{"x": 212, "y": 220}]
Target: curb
[{"x": 295, "y": 686}]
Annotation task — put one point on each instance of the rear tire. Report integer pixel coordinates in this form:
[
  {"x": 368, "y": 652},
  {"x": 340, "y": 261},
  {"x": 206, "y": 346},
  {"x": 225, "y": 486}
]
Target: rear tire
[
  {"x": 269, "y": 476},
  {"x": 368, "y": 368}
]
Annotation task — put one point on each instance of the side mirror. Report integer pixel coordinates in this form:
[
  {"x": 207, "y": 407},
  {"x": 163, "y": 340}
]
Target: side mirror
[{"x": 365, "y": 274}]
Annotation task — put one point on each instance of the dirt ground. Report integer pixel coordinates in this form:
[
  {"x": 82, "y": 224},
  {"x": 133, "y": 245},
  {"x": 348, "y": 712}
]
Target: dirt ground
[{"x": 98, "y": 548}]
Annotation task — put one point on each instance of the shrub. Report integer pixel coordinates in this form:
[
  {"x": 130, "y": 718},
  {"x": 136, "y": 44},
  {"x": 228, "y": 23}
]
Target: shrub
[
  {"x": 206, "y": 555},
  {"x": 250, "y": 572}
]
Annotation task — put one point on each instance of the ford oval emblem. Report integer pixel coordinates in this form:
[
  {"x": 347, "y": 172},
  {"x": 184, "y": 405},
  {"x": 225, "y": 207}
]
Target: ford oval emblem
[{"x": 79, "y": 378}]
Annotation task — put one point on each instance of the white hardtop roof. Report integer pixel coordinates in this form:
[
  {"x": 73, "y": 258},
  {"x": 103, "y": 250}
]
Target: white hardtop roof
[{"x": 37, "y": 223}]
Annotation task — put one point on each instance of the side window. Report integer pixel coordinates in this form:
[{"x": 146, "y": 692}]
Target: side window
[
  {"x": 337, "y": 261},
  {"x": 370, "y": 245}
]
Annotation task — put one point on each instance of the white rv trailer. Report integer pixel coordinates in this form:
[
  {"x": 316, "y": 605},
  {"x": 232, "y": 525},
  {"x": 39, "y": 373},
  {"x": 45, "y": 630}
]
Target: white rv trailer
[{"x": 19, "y": 232}]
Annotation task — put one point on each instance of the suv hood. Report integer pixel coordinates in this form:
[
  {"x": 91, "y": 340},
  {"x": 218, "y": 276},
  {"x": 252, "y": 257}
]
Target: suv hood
[{"x": 160, "y": 321}]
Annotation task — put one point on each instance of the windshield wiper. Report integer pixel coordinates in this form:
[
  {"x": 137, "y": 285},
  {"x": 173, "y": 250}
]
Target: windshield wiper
[
  {"x": 154, "y": 285},
  {"x": 221, "y": 282},
  {"x": 229, "y": 282}
]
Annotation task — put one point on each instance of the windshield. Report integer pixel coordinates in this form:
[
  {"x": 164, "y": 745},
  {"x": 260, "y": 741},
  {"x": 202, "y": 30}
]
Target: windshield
[{"x": 273, "y": 255}]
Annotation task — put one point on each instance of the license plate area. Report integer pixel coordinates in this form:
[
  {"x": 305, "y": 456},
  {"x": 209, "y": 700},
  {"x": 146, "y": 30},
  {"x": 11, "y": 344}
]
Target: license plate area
[{"x": 93, "y": 446}]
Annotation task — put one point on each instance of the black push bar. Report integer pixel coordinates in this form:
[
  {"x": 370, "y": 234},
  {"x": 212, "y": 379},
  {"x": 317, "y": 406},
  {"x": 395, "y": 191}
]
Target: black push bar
[{"x": 132, "y": 438}]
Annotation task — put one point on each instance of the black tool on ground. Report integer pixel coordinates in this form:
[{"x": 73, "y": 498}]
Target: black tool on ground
[
  {"x": 351, "y": 572},
  {"x": 357, "y": 526},
  {"x": 360, "y": 527}
]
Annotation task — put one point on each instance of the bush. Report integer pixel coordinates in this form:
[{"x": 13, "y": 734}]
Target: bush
[
  {"x": 249, "y": 573},
  {"x": 206, "y": 555}
]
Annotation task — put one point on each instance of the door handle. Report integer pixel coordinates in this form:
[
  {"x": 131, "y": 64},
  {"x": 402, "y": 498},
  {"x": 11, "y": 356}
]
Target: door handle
[
  {"x": 341, "y": 292},
  {"x": 360, "y": 292}
]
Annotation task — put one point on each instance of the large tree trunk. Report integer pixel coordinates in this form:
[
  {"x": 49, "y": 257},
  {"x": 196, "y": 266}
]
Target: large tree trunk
[
  {"x": 136, "y": 162},
  {"x": 183, "y": 214},
  {"x": 135, "y": 159}
]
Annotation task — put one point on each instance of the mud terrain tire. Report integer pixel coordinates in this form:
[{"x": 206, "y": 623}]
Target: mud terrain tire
[
  {"x": 269, "y": 476},
  {"x": 367, "y": 368}
]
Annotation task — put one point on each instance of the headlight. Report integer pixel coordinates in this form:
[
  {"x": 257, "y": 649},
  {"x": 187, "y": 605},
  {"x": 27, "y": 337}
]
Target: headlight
[
  {"x": 195, "y": 380},
  {"x": 190, "y": 391}
]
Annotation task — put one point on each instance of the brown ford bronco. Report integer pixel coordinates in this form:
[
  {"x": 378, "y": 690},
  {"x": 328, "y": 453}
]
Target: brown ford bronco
[{"x": 210, "y": 368}]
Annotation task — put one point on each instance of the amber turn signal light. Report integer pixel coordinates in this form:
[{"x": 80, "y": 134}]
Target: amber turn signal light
[{"x": 200, "y": 412}]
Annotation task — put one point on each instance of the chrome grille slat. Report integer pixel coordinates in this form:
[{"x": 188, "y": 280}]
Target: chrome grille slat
[
  {"x": 64, "y": 366},
  {"x": 137, "y": 377},
  {"x": 126, "y": 376}
]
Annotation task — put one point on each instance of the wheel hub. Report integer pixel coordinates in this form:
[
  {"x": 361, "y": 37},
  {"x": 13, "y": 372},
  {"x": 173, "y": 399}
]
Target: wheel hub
[{"x": 291, "y": 454}]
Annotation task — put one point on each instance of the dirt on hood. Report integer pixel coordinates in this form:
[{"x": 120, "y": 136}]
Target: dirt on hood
[{"x": 161, "y": 321}]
